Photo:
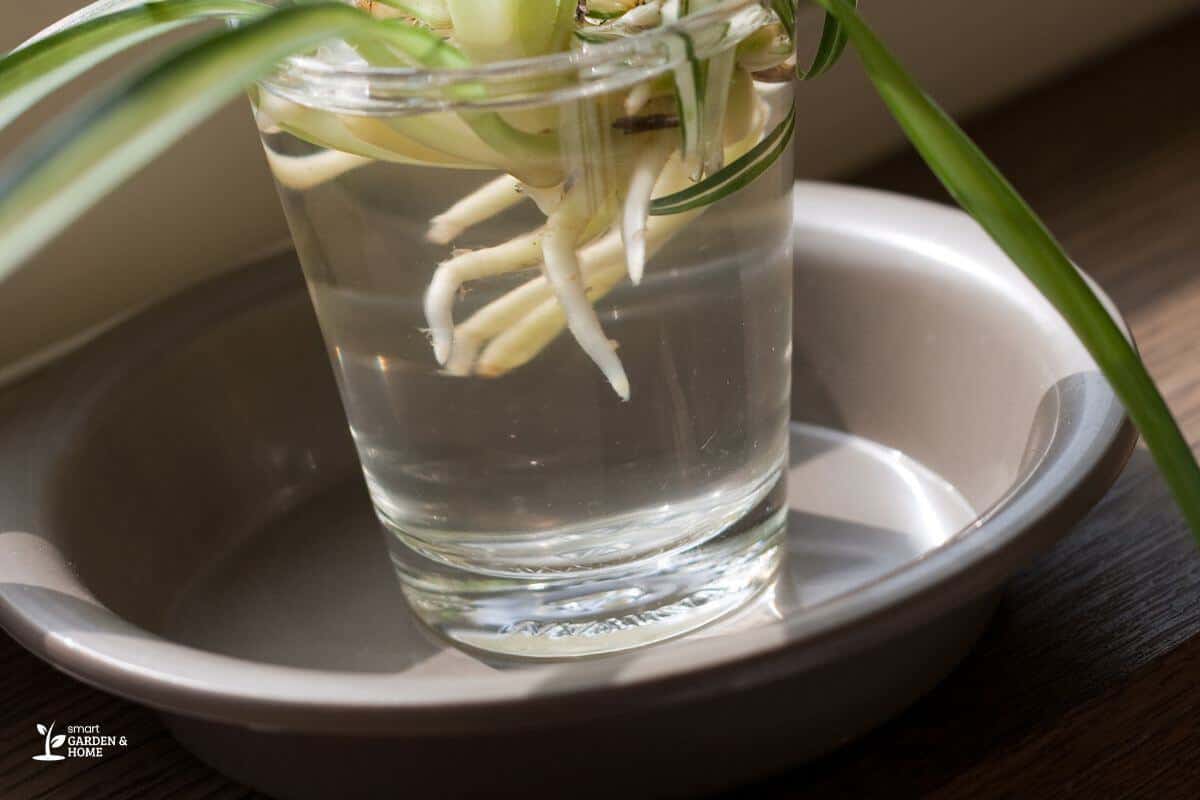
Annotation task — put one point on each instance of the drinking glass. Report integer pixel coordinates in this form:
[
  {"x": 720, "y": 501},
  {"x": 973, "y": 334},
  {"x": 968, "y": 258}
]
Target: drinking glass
[{"x": 530, "y": 509}]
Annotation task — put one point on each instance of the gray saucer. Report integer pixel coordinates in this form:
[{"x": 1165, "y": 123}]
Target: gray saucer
[{"x": 182, "y": 524}]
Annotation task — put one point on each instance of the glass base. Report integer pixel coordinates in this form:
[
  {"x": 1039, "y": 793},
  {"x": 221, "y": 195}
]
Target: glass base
[{"x": 629, "y": 606}]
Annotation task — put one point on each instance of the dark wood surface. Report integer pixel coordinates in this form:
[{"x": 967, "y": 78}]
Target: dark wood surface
[{"x": 1088, "y": 682}]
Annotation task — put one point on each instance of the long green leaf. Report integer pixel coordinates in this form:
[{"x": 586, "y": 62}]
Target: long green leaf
[
  {"x": 97, "y": 8},
  {"x": 87, "y": 153},
  {"x": 732, "y": 177},
  {"x": 982, "y": 191},
  {"x": 829, "y": 48},
  {"x": 36, "y": 69}
]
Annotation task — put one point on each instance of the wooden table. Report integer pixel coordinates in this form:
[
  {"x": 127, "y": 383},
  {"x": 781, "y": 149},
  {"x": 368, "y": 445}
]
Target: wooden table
[{"x": 1088, "y": 683}]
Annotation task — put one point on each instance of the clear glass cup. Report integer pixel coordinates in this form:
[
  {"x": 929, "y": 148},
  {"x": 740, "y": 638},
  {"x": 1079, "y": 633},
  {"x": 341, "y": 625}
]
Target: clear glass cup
[{"x": 530, "y": 510}]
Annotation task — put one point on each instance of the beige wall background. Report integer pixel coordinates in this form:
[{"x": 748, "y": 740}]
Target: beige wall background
[{"x": 208, "y": 204}]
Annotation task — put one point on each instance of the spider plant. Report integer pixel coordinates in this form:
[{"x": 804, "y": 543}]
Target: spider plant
[{"x": 700, "y": 136}]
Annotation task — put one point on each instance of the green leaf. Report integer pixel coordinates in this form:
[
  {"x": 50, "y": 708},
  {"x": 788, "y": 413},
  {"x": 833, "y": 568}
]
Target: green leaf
[
  {"x": 829, "y": 49},
  {"x": 689, "y": 87},
  {"x": 982, "y": 191},
  {"x": 84, "y": 154},
  {"x": 786, "y": 11},
  {"x": 418, "y": 47},
  {"x": 732, "y": 177},
  {"x": 33, "y": 71}
]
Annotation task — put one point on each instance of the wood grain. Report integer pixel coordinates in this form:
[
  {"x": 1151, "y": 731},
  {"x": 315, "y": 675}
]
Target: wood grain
[{"x": 1088, "y": 683}]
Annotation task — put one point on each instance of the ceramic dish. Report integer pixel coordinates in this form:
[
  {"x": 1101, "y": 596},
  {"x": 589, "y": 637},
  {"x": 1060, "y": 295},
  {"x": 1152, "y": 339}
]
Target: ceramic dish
[{"x": 185, "y": 526}]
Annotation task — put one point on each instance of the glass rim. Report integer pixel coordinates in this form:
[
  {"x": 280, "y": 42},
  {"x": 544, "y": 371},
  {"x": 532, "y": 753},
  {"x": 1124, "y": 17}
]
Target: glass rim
[{"x": 594, "y": 69}]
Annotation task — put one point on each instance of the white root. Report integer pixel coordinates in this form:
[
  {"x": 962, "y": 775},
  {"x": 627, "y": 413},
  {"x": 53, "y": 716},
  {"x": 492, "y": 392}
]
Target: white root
[
  {"x": 519, "y": 253},
  {"x": 636, "y": 211},
  {"x": 519, "y": 324},
  {"x": 482, "y": 204},
  {"x": 581, "y": 212},
  {"x": 540, "y": 326},
  {"x": 528, "y": 323},
  {"x": 511, "y": 318},
  {"x": 511, "y": 309},
  {"x": 301, "y": 173},
  {"x": 514, "y": 255},
  {"x": 499, "y": 315},
  {"x": 638, "y": 96},
  {"x": 562, "y": 269}
]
